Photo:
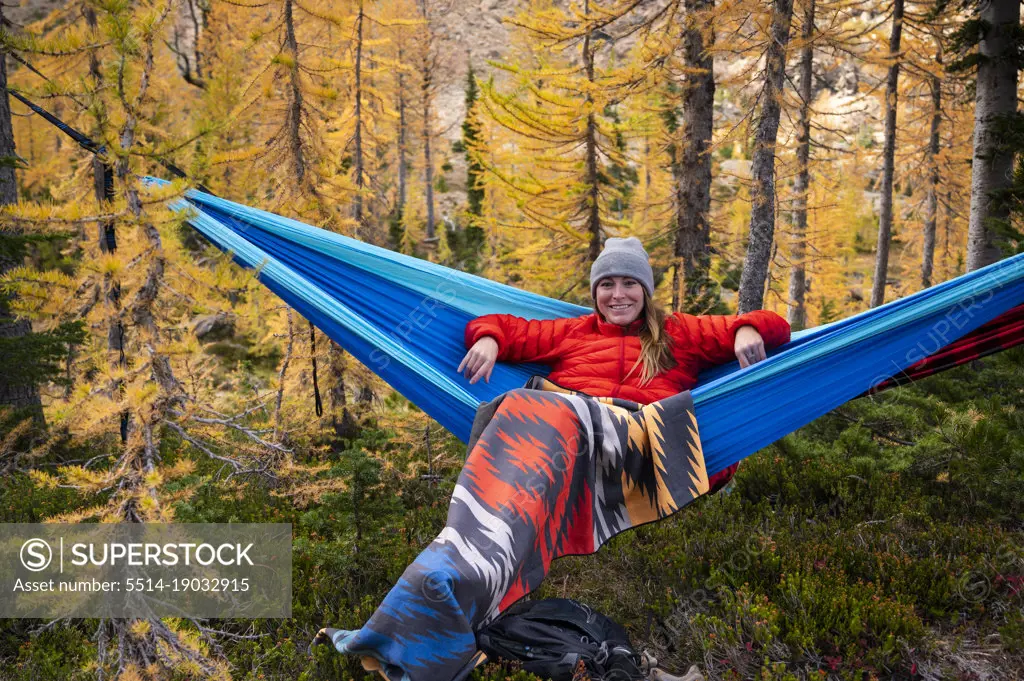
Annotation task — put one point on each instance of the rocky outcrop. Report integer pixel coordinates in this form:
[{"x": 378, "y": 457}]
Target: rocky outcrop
[{"x": 213, "y": 327}]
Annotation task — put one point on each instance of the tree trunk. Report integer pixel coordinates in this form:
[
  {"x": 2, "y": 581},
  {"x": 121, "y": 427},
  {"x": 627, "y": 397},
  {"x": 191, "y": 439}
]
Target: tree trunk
[
  {"x": 691, "y": 278},
  {"x": 427, "y": 86},
  {"x": 294, "y": 111},
  {"x": 8, "y": 181},
  {"x": 995, "y": 99},
  {"x": 342, "y": 420},
  {"x": 427, "y": 158},
  {"x": 23, "y": 396},
  {"x": 142, "y": 452},
  {"x": 591, "y": 205},
  {"x": 798, "y": 270},
  {"x": 103, "y": 192},
  {"x": 762, "y": 214},
  {"x": 103, "y": 189},
  {"x": 931, "y": 207},
  {"x": 94, "y": 63},
  {"x": 357, "y": 139},
  {"x": 358, "y": 213},
  {"x": 189, "y": 22},
  {"x": 947, "y": 226},
  {"x": 402, "y": 144},
  {"x": 888, "y": 159}
]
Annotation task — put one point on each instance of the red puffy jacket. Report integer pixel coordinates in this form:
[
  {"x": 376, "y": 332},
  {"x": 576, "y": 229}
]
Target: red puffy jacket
[{"x": 594, "y": 356}]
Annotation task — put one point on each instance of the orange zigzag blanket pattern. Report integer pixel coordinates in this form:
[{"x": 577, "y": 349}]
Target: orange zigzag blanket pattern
[{"x": 549, "y": 473}]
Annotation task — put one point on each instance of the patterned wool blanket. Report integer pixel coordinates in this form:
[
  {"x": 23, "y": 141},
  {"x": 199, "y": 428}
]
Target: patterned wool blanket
[{"x": 550, "y": 472}]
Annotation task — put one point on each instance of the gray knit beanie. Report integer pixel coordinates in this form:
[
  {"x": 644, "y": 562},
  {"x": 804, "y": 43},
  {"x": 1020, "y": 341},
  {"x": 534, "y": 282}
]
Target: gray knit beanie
[{"x": 622, "y": 258}]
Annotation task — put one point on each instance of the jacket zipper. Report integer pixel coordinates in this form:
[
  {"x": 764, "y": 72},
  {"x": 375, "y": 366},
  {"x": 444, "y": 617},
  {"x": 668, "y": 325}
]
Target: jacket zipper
[{"x": 622, "y": 366}]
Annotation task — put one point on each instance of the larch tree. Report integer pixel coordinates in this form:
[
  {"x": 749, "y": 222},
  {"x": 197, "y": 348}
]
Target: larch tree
[
  {"x": 675, "y": 57},
  {"x": 355, "y": 147},
  {"x": 997, "y": 31},
  {"x": 292, "y": 92},
  {"x": 72, "y": 44},
  {"x": 797, "y": 313},
  {"x": 926, "y": 30},
  {"x": 822, "y": 140},
  {"x": 558, "y": 111},
  {"x": 300, "y": 96},
  {"x": 934, "y": 177},
  {"x": 762, "y": 216},
  {"x": 401, "y": 23},
  {"x": 888, "y": 158},
  {"x": 103, "y": 190},
  {"x": 176, "y": 408},
  {"x": 8, "y": 156},
  {"x": 361, "y": 148},
  {"x": 692, "y": 288},
  {"x": 928, "y": 153},
  {"x": 150, "y": 392},
  {"x": 592, "y": 191},
  {"x": 429, "y": 59},
  {"x": 955, "y": 155},
  {"x": 290, "y": 136},
  {"x": 16, "y": 394},
  {"x": 402, "y": 141}
]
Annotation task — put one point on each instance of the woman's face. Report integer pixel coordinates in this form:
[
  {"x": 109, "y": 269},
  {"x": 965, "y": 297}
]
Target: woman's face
[{"x": 620, "y": 300}]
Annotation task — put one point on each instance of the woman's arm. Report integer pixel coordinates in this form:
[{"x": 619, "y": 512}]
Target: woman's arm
[
  {"x": 479, "y": 361},
  {"x": 518, "y": 339},
  {"x": 511, "y": 339},
  {"x": 712, "y": 338}
]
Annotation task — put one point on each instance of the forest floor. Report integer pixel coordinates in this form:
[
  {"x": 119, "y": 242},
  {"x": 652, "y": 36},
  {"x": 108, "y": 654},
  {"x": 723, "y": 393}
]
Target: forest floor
[{"x": 884, "y": 540}]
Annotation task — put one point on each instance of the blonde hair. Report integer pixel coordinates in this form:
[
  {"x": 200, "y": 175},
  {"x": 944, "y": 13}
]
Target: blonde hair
[{"x": 655, "y": 342}]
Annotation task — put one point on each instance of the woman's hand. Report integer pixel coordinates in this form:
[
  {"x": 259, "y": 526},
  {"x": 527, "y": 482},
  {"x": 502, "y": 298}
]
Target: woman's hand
[
  {"x": 479, "y": 361},
  {"x": 749, "y": 346}
]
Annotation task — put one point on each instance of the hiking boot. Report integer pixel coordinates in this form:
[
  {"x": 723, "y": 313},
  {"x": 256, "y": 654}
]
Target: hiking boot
[{"x": 692, "y": 674}]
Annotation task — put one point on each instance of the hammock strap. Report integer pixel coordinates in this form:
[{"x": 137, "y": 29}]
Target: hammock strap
[
  {"x": 316, "y": 387},
  {"x": 83, "y": 140},
  {"x": 100, "y": 151},
  {"x": 89, "y": 144}
]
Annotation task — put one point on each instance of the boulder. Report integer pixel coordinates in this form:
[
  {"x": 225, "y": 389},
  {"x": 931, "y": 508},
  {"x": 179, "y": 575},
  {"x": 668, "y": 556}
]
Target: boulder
[{"x": 213, "y": 327}]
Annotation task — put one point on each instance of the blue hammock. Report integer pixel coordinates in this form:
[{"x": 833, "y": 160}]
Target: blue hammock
[{"x": 404, "y": 318}]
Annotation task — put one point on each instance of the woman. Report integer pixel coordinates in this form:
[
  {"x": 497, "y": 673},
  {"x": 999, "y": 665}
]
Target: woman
[
  {"x": 628, "y": 347},
  {"x": 554, "y": 474}
]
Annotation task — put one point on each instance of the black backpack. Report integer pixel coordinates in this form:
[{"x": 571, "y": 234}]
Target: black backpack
[{"x": 551, "y": 636}]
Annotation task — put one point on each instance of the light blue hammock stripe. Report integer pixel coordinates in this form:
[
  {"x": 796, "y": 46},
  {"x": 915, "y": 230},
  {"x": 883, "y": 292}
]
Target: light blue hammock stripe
[
  {"x": 374, "y": 303},
  {"x": 481, "y": 295},
  {"x": 367, "y": 342},
  {"x": 824, "y": 369}
]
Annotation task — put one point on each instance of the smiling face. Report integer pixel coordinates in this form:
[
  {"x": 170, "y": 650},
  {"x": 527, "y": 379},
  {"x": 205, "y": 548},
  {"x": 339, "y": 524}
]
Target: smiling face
[{"x": 620, "y": 300}]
